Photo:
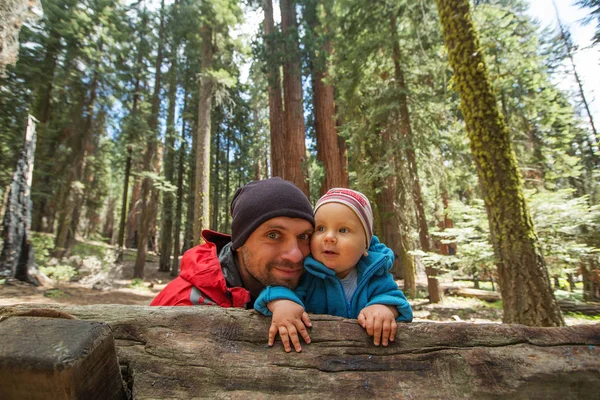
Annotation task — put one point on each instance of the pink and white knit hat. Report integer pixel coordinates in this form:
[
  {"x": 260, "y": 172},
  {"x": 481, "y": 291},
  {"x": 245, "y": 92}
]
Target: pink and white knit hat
[{"x": 357, "y": 201}]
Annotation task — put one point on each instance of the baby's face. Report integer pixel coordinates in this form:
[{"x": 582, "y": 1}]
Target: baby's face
[{"x": 339, "y": 239}]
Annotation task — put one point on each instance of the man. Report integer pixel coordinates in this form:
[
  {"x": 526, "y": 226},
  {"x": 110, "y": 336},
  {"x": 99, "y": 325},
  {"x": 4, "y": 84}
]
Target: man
[{"x": 272, "y": 221}]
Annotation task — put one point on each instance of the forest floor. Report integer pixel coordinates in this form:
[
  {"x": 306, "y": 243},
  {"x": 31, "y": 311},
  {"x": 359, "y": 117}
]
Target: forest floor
[{"x": 92, "y": 277}]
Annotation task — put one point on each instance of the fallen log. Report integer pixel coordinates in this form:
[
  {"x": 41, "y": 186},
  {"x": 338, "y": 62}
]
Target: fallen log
[
  {"x": 209, "y": 352},
  {"x": 485, "y": 295},
  {"x": 588, "y": 308},
  {"x": 581, "y": 308}
]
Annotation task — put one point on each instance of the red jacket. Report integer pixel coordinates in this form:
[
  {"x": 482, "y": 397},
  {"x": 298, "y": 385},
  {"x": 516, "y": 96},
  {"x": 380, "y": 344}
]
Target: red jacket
[{"x": 201, "y": 280}]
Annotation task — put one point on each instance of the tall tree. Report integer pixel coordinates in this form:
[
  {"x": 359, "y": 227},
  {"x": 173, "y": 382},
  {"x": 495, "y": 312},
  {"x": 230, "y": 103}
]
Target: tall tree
[
  {"x": 205, "y": 93},
  {"x": 566, "y": 38},
  {"x": 594, "y": 5},
  {"x": 295, "y": 128},
  {"x": 525, "y": 284},
  {"x": 182, "y": 155},
  {"x": 17, "y": 258},
  {"x": 148, "y": 193},
  {"x": 273, "y": 52},
  {"x": 328, "y": 141},
  {"x": 82, "y": 145},
  {"x": 166, "y": 232},
  {"x": 134, "y": 126},
  {"x": 433, "y": 286}
]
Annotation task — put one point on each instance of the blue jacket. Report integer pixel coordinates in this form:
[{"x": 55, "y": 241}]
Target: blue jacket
[{"x": 321, "y": 292}]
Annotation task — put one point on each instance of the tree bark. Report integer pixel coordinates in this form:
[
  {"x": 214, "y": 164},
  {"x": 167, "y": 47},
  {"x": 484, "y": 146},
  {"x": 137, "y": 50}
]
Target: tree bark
[
  {"x": 227, "y": 227},
  {"x": 178, "y": 210},
  {"x": 14, "y": 14},
  {"x": 44, "y": 111},
  {"x": 82, "y": 144},
  {"x": 17, "y": 258},
  {"x": 121, "y": 235},
  {"x": 188, "y": 236},
  {"x": 179, "y": 206},
  {"x": 525, "y": 285},
  {"x": 295, "y": 129},
  {"x": 328, "y": 150},
  {"x": 210, "y": 352},
  {"x": 216, "y": 187},
  {"x": 433, "y": 285},
  {"x": 133, "y": 216},
  {"x": 278, "y": 144},
  {"x": 146, "y": 199},
  {"x": 166, "y": 232},
  {"x": 205, "y": 89}
]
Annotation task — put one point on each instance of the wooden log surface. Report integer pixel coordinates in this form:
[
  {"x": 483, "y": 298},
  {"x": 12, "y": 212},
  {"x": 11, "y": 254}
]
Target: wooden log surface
[
  {"x": 56, "y": 358},
  {"x": 209, "y": 352}
]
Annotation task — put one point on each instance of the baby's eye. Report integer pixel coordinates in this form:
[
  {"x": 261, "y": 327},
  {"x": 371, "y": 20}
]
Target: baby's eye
[
  {"x": 343, "y": 230},
  {"x": 320, "y": 228}
]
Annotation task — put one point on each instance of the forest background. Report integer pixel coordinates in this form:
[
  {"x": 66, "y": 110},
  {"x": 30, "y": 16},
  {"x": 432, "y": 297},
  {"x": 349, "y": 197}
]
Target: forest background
[{"x": 150, "y": 116}]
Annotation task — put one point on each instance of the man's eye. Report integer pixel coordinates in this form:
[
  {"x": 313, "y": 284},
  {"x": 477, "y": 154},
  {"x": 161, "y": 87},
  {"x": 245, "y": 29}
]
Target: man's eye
[
  {"x": 273, "y": 235},
  {"x": 343, "y": 230},
  {"x": 304, "y": 236}
]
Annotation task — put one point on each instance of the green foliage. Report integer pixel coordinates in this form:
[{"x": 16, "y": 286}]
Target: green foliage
[
  {"x": 583, "y": 316},
  {"x": 566, "y": 227},
  {"x": 137, "y": 283},
  {"x": 542, "y": 123},
  {"x": 42, "y": 246},
  {"x": 59, "y": 272},
  {"x": 158, "y": 181},
  {"x": 87, "y": 250},
  {"x": 594, "y": 6},
  {"x": 576, "y": 295},
  {"x": 55, "y": 294}
]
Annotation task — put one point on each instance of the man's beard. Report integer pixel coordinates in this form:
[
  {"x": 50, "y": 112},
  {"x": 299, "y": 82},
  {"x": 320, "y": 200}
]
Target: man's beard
[{"x": 264, "y": 276}]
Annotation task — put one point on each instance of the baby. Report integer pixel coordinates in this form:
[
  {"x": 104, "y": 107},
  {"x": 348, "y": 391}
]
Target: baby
[{"x": 347, "y": 275}]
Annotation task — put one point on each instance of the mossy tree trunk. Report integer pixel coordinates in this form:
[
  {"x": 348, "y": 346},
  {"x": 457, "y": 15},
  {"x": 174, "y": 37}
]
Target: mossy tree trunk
[{"x": 525, "y": 284}]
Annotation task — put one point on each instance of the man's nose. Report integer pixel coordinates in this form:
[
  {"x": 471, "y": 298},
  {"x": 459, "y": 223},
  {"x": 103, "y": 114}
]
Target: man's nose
[{"x": 293, "y": 253}]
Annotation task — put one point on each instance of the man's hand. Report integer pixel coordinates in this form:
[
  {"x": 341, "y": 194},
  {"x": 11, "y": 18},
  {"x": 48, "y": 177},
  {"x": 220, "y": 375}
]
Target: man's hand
[
  {"x": 289, "y": 319},
  {"x": 380, "y": 322}
]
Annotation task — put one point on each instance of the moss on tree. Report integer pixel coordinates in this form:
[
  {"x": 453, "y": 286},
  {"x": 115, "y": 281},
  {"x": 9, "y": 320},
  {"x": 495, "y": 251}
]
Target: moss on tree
[{"x": 524, "y": 280}]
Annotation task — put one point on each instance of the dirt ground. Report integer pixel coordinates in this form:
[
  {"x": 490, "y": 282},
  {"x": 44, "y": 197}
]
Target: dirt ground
[{"x": 120, "y": 288}]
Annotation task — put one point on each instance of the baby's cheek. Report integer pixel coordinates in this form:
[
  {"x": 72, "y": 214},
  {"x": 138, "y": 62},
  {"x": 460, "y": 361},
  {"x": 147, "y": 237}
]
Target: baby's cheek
[{"x": 313, "y": 244}]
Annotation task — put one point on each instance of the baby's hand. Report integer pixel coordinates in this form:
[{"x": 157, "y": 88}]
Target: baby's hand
[
  {"x": 380, "y": 322},
  {"x": 289, "y": 319}
]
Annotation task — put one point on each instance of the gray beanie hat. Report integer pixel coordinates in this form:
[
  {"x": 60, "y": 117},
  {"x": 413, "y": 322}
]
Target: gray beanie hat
[{"x": 259, "y": 201}]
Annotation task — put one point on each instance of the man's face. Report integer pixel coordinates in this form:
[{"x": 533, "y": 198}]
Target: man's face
[{"x": 275, "y": 251}]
